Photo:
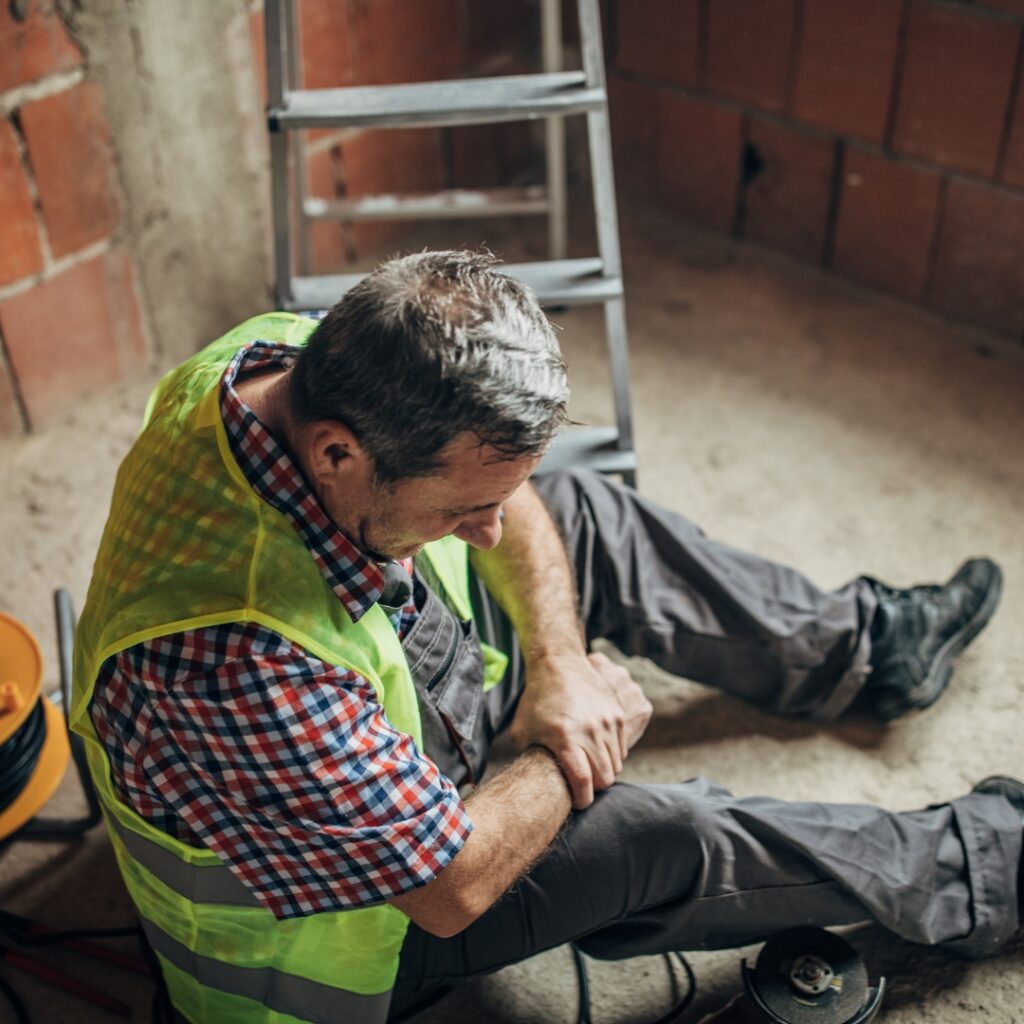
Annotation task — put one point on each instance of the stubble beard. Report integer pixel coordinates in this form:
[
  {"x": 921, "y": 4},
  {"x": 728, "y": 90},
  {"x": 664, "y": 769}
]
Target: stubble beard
[{"x": 377, "y": 536}]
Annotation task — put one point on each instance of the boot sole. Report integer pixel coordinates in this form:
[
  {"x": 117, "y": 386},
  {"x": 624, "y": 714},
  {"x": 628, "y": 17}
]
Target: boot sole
[{"x": 934, "y": 684}]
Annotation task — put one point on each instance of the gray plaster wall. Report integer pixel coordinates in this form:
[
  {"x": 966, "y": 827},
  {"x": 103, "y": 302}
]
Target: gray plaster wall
[{"x": 182, "y": 98}]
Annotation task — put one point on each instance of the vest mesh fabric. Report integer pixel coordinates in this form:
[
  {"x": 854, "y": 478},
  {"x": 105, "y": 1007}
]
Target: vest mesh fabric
[{"x": 188, "y": 544}]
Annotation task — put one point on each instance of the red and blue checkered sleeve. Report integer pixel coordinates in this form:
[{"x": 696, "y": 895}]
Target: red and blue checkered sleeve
[{"x": 282, "y": 764}]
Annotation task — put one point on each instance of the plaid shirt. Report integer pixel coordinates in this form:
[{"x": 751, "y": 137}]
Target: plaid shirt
[{"x": 233, "y": 738}]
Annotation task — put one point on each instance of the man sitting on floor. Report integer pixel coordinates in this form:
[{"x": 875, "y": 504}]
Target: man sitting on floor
[{"x": 281, "y": 678}]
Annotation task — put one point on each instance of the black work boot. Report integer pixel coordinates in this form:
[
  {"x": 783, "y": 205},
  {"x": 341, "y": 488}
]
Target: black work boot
[{"x": 916, "y": 633}]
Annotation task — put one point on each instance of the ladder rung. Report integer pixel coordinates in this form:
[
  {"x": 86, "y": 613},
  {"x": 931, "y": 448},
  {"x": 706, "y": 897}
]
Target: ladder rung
[
  {"x": 512, "y": 98},
  {"x": 450, "y": 203},
  {"x": 555, "y": 283},
  {"x": 591, "y": 447},
  {"x": 567, "y": 282}
]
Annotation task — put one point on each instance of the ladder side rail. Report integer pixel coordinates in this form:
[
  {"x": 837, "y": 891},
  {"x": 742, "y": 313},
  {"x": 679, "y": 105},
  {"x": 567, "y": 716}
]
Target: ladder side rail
[
  {"x": 282, "y": 229},
  {"x": 274, "y": 37},
  {"x": 554, "y": 132},
  {"x": 590, "y": 43},
  {"x": 599, "y": 138},
  {"x": 274, "y": 40},
  {"x": 608, "y": 245},
  {"x": 618, "y": 359},
  {"x": 603, "y": 177},
  {"x": 296, "y": 80}
]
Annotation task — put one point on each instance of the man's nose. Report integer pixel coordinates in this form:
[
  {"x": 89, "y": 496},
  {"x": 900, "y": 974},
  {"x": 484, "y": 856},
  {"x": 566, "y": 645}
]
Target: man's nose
[{"x": 482, "y": 530}]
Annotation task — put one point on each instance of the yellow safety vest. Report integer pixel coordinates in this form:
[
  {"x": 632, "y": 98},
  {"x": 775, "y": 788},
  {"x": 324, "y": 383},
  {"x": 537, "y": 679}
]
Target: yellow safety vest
[{"x": 189, "y": 544}]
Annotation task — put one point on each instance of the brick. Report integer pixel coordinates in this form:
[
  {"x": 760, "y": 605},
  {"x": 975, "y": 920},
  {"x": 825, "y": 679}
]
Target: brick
[
  {"x": 979, "y": 274},
  {"x": 74, "y": 334},
  {"x": 491, "y": 155},
  {"x": 749, "y": 48},
  {"x": 398, "y": 160},
  {"x": 787, "y": 202},
  {"x": 10, "y": 415},
  {"x": 20, "y": 253},
  {"x": 34, "y": 46},
  {"x": 698, "y": 160},
  {"x": 393, "y": 160},
  {"x": 956, "y": 87},
  {"x": 403, "y": 41},
  {"x": 326, "y": 44},
  {"x": 659, "y": 39},
  {"x": 1013, "y": 168},
  {"x": 886, "y": 222},
  {"x": 499, "y": 26},
  {"x": 475, "y": 157},
  {"x": 845, "y": 66},
  {"x": 632, "y": 110},
  {"x": 69, "y": 150},
  {"x": 1006, "y": 6}
]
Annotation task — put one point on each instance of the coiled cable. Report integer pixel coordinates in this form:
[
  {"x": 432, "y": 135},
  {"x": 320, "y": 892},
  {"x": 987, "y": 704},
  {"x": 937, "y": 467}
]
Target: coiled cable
[{"x": 19, "y": 756}]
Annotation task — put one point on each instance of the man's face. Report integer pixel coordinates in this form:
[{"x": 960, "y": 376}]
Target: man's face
[{"x": 464, "y": 498}]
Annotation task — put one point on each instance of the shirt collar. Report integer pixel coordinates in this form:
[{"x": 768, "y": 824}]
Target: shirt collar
[{"x": 356, "y": 580}]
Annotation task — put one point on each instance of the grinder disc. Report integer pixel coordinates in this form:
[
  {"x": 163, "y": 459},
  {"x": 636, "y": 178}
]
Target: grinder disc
[{"x": 841, "y": 997}]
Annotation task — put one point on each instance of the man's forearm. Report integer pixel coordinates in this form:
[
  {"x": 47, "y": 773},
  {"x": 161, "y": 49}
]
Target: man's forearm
[
  {"x": 515, "y": 816},
  {"x": 529, "y": 575},
  {"x": 585, "y": 710}
]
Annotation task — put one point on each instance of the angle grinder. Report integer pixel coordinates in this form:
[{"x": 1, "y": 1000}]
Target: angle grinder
[{"x": 804, "y": 975}]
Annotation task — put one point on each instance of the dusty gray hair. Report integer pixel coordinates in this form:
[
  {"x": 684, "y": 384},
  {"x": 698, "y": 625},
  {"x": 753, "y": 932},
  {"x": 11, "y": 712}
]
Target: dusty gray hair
[{"x": 430, "y": 346}]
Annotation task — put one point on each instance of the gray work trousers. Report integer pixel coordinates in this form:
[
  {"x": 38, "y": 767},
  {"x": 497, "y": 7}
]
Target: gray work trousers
[{"x": 652, "y": 868}]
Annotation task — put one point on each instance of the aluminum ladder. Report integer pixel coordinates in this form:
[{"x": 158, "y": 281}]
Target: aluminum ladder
[{"x": 552, "y": 95}]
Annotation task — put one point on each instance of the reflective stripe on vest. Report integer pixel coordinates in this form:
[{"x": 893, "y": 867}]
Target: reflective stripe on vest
[
  {"x": 213, "y": 883},
  {"x": 282, "y": 993}
]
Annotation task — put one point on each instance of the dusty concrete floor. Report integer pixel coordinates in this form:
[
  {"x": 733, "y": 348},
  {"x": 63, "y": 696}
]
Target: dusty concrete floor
[{"x": 785, "y": 411}]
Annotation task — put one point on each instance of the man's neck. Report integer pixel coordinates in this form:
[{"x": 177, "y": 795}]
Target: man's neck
[{"x": 267, "y": 395}]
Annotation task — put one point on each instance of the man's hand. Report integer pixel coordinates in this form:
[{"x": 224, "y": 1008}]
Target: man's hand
[
  {"x": 588, "y": 712},
  {"x": 585, "y": 710}
]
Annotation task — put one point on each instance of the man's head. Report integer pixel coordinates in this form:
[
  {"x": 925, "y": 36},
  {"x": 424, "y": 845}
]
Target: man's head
[
  {"x": 428, "y": 347},
  {"x": 442, "y": 369}
]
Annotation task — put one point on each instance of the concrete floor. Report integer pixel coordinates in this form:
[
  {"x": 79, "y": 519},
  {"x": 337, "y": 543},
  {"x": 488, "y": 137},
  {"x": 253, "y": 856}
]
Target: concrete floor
[{"x": 787, "y": 412}]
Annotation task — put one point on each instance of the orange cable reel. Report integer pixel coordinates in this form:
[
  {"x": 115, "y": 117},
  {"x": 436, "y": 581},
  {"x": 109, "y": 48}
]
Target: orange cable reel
[{"x": 21, "y": 676}]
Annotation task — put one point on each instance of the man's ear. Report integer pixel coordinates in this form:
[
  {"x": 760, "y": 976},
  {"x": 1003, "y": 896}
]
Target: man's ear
[{"x": 334, "y": 452}]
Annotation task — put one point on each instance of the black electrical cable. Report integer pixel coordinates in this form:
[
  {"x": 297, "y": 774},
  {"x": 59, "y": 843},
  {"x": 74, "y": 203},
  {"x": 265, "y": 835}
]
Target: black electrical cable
[
  {"x": 14, "y": 928},
  {"x": 691, "y": 991},
  {"x": 20, "y": 1013},
  {"x": 580, "y": 963},
  {"x": 20, "y": 755},
  {"x": 583, "y": 981}
]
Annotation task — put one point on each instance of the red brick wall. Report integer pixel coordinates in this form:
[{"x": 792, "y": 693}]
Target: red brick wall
[
  {"x": 69, "y": 314},
  {"x": 881, "y": 138}
]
